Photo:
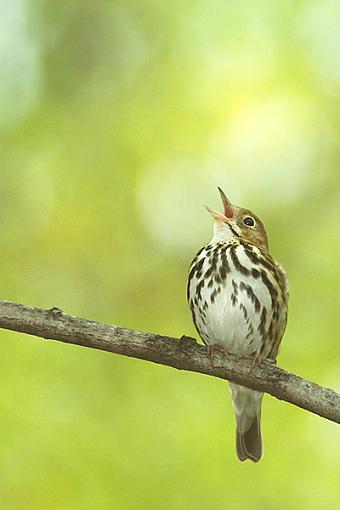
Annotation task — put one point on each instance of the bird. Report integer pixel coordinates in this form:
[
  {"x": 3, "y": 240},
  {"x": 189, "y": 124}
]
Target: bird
[{"x": 238, "y": 296}]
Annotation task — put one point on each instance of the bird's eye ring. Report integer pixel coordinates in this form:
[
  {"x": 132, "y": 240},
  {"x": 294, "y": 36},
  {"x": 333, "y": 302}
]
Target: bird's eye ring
[{"x": 249, "y": 221}]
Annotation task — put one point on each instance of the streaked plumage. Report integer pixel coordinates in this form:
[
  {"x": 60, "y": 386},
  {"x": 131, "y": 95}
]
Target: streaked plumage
[{"x": 238, "y": 298}]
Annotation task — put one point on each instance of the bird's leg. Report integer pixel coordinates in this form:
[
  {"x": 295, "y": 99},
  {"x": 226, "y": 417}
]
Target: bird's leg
[
  {"x": 211, "y": 352},
  {"x": 212, "y": 348},
  {"x": 257, "y": 359}
]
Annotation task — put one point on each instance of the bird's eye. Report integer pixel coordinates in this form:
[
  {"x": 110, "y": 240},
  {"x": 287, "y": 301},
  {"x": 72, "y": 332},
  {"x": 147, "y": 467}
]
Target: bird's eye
[{"x": 249, "y": 221}]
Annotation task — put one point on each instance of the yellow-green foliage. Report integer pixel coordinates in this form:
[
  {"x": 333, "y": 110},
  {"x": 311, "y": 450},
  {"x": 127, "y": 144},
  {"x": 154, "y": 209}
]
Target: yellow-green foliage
[{"x": 118, "y": 120}]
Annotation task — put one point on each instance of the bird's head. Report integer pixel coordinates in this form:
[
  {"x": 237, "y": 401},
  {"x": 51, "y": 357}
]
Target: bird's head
[{"x": 237, "y": 222}]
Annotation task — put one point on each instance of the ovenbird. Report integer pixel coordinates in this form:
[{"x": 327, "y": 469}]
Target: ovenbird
[{"x": 238, "y": 297}]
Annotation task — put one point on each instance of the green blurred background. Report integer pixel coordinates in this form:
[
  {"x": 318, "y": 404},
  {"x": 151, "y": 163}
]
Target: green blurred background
[{"x": 117, "y": 122}]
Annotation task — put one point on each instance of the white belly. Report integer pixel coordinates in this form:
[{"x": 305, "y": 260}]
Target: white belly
[{"x": 232, "y": 317}]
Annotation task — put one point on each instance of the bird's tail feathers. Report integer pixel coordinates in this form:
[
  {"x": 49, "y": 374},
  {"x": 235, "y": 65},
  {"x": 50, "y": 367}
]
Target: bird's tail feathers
[{"x": 247, "y": 407}]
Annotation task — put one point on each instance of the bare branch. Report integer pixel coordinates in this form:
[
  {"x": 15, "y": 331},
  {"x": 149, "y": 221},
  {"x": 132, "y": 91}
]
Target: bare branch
[{"x": 183, "y": 354}]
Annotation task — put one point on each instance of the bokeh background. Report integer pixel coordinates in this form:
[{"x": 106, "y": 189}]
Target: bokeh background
[{"x": 117, "y": 122}]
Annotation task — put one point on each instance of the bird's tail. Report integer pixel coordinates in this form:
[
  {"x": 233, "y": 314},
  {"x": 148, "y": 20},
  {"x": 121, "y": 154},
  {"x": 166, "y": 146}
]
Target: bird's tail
[{"x": 247, "y": 407}]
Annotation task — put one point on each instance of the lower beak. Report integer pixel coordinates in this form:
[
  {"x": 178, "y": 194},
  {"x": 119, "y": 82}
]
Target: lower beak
[{"x": 218, "y": 216}]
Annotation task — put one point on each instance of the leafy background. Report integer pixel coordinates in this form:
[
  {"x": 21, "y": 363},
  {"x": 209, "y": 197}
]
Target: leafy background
[{"x": 117, "y": 122}]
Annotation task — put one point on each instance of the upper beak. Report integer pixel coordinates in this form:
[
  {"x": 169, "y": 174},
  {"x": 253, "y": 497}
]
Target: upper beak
[{"x": 228, "y": 209}]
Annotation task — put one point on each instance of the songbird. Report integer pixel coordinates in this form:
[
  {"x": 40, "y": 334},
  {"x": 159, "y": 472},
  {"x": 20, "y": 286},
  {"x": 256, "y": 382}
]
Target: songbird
[{"x": 238, "y": 295}]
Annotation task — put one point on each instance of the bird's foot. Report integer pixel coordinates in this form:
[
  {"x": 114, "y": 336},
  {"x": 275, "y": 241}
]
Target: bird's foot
[
  {"x": 240, "y": 357},
  {"x": 257, "y": 359},
  {"x": 271, "y": 361},
  {"x": 211, "y": 349}
]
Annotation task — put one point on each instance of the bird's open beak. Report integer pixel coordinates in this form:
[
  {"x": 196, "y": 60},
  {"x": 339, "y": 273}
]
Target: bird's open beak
[{"x": 228, "y": 209}]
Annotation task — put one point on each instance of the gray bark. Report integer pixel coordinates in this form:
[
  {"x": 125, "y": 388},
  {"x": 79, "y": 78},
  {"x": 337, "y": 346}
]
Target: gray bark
[{"x": 183, "y": 354}]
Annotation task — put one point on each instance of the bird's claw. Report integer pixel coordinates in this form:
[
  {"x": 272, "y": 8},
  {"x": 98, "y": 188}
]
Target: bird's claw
[{"x": 211, "y": 349}]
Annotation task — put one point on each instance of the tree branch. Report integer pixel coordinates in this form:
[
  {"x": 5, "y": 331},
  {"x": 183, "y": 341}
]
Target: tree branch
[{"x": 183, "y": 354}]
